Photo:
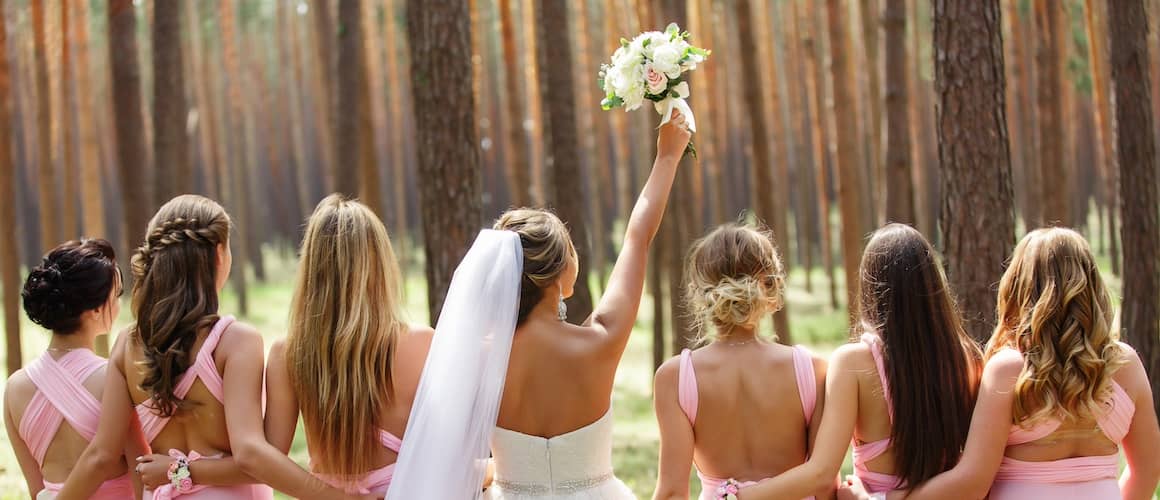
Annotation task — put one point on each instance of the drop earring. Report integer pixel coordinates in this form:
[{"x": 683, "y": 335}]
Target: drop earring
[{"x": 562, "y": 309}]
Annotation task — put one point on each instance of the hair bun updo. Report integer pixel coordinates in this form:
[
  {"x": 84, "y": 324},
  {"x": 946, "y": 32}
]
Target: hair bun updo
[
  {"x": 733, "y": 277},
  {"x": 72, "y": 278}
]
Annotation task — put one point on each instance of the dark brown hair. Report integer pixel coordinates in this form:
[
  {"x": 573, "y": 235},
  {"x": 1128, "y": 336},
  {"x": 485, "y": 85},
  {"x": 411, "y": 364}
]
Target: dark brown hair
[
  {"x": 175, "y": 291},
  {"x": 547, "y": 248},
  {"x": 932, "y": 366},
  {"x": 73, "y": 278}
]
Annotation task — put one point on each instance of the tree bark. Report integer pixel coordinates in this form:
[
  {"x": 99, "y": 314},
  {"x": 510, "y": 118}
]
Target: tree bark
[
  {"x": 320, "y": 11},
  {"x": 812, "y": 37},
  {"x": 449, "y": 164},
  {"x": 555, "y": 63},
  {"x": 9, "y": 252},
  {"x": 1056, "y": 188},
  {"x": 46, "y": 172},
  {"x": 235, "y": 185},
  {"x": 899, "y": 183},
  {"x": 870, "y": 10},
  {"x": 92, "y": 202},
  {"x": 1131, "y": 82},
  {"x": 518, "y": 175},
  {"x": 170, "y": 144},
  {"x": 67, "y": 132},
  {"x": 129, "y": 119},
  {"x": 848, "y": 169},
  {"x": 1105, "y": 133},
  {"x": 978, "y": 219},
  {"x": 348, "y": 102}
]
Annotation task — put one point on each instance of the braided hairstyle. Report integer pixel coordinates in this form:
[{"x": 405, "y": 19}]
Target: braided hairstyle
[
  {"x": 73, "y": 278},
  {"x": 175, "y": 292}
]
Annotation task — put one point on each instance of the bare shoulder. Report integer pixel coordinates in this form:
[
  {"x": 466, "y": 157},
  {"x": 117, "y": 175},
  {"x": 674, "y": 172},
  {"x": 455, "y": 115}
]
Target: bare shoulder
[
  {"x": 240, "y": 334},
  {"x": 1131, "y": 376},
  {"x": 19, "y": 389},
  {"x": 1005, "y": 365},
  {"x": 415, "y": 341},
  {"x": 278, "y": 349},
  {"x": 854, "y": 355},
  {"x": 668, "y": 372}
]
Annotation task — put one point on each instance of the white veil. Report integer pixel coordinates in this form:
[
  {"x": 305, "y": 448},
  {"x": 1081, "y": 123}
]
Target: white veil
[{"x": 445, "y": 448}]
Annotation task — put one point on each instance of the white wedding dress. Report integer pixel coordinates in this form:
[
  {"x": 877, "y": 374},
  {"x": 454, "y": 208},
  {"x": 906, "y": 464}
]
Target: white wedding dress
[{"x": 573, "y": 466}]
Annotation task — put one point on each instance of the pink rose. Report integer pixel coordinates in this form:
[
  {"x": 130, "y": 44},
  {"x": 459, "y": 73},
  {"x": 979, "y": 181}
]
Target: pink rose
[
  {"x": 185, "y": 485},
  {"x": 657, "y": 81}
]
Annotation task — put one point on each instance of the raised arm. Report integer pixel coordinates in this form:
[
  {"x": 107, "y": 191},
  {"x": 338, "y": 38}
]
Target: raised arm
[
  {"x": 616, "y": 312},
  {"x": 987, "y": 440},
  {"x": 833, "y": 437},
  {"x": 1143, "y": 438},
  {"x": 676, "y": 455},
  {"x": 105, "y": 454},
  {"x": 256, "y": 456}
]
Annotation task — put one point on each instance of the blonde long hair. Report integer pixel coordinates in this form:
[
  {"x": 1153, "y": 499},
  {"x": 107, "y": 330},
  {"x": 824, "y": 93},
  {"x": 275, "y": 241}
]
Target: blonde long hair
[
  {"x": 1056, "y": 311},
  {"x": 345, "y": 321}
]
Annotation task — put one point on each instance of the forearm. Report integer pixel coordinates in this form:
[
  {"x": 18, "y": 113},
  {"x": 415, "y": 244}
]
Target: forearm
[
  {"x": 796, "y": 483},
  {"x": 219, "y": 472},
  {"x": 266, "y": 464},
  {"x": 954, "y": 483},
  {"x": 1134, "y": 486},
  {"x": 646, "y": 215},
  {"x": 94, "y": 465}
]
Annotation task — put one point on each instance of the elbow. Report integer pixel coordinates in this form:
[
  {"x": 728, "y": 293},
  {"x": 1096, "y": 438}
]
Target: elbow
[
  {"x": 248, "y": 457},
  {"x": 822, "y": 478}
]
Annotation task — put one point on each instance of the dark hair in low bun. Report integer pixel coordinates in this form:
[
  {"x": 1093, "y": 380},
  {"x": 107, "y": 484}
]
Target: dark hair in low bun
[
  {"x": 74, "y": 277},
  {"x": 547, "y": 248}
]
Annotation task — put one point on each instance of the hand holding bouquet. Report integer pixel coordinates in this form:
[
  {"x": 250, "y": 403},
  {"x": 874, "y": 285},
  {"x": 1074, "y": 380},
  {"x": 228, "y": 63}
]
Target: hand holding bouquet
[{"x": 652, "y": 66}]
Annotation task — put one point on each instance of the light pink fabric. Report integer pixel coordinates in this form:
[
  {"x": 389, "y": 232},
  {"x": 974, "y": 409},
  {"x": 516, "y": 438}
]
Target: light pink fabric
[
  {"x": 61, "y": 397},
  {"x": 205, "y": 369},
  {"x": 876, "y": 481},
  {"x": 687, "y": 397},
  {"x": 1080, "y": 477},
  {"x": 377, "y": 481}
]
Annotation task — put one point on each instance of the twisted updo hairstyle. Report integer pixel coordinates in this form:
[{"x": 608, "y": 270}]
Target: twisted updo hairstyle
[
  {"x": 733, "y": 278},
  {"x": 547, "y": 248},
  {"x": 175, "y": 291},
  {"x": 73, "y": 278},
  {"x": 1056, "y": 311}
]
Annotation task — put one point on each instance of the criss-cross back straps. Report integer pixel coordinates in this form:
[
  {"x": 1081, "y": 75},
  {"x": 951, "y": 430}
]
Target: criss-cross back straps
[
  {"x": 875, "y": 345},
  {"x": 60, "y": 396},
  {"x": 390, "y": 441},
  {"x": 203, "y": 368},
  {"x": 803, "y": 370},
  {"x": 687, "y": 386}
]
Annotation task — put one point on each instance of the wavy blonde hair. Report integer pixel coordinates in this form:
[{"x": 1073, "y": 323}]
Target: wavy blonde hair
[
  {"x": 733, "y": 277},
  {"x": 345, "y": 321},
  {"x": 1056, "y": 311}
]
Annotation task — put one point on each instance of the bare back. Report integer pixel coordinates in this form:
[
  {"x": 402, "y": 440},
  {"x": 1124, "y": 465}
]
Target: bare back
[
  {"x": 874, "y": 423},
  {"x": 749, "y": 419}
]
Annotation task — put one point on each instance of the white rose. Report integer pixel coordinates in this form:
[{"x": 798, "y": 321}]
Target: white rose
[
  {"x": 666, "y": 58},
  {"x": 633, "y": 97}
]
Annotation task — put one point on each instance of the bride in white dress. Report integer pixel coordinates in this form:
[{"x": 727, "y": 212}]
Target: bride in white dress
[{"x": 547, "y": 409}]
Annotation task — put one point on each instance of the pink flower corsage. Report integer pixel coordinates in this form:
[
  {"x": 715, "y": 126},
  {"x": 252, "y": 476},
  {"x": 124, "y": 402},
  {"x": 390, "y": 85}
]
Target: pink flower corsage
[
  {"x": 179, "y": 475},
  {"x": 728, "y": 490}
]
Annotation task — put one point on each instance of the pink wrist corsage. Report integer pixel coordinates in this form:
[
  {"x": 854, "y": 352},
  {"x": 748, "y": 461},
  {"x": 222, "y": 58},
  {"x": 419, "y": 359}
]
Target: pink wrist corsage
[
  {"x": 178, "y": 474},
  {"x": 728, "y": 490}
]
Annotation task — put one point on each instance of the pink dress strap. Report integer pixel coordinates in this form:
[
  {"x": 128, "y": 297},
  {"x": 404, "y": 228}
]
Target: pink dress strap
[
  {"x": 376, "y": 481},
  {"x": 803, "y": 369},
  {"x": 865, "y": 452},
  {"x": 687, "y": 386},
  {"x": 203, "y": 368}
]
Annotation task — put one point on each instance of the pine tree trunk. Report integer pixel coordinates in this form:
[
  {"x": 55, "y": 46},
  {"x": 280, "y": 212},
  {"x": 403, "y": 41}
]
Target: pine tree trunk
[
  {"x": 170, "y": 144},
  {"x": 324, "y": 38},
  {"x": 1050, "y": 102},
  {"x": 234, "y": 185},
  {"x": 870, "y": 10},
  {"x": 519, "y": 181},
  {"x": 126, "y": 87},
  {"x": 899, "y": 183},
  {"x": 812, "y": 37},
  {"x": 66, "y": 109},
  {"x": 555, "y": 63},
  {"x": 370, "y": 113},
  {"x": 92, "y": 202},
  {"x": 46, "y": 172},
  {"x": 978, "y": 219},
  {"x": 399, "y": 116},
  {"x": 9, "y": 252},
  {"x": 1131, "y": 82},
  {"x": 1105, "y": 146},
  {"x": 850, "y": 182},
  {"x": 799, "y": 100},
  {"x": 449, "y": 163}
]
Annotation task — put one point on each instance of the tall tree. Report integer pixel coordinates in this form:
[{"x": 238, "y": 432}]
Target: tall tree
[
  {"x": 320, "y": 11},
  {"x": 92, "y": 198},
  {"x": 899, "y": 180},
  {"x": 1050, "y": 112},
  {"x": 555, "y": 63},
  {"x": 174, "y": 174},
  {"x": 812, "y": 38},
  {"x": 869, "y": 15},
  {"x": 46, "y": 173},
  {"x": 126, "y": 82},
  {"x": 1138, "y": 190},
  {"x": 440, "y": 40},
  {"x": 236, "y": 185},
  {"x": 66, "y": 132},
  {"x": 348, "y": 102},
  {"x": 9, "y": 252},
  {"x": 849, "y": 169},
  {"x": 1096, "y": 28},
  {"x": 519, "y": 182},
  {"x": 978, "y": 217}
]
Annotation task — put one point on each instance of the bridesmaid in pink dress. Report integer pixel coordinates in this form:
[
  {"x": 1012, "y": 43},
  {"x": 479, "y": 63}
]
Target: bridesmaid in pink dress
[
  {"x": 715, "y": 405},
  {"x": 350, "y": 364},
  {"x": 903, "y": 392},
  {"x": 1060, "y": 396},
  {"x": 52, "y": 405},
  {"x": 185, "y": 378}
]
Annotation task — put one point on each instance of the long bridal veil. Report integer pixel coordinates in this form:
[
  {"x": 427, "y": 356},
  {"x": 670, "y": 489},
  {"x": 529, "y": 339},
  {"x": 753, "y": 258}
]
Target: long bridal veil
[{"x": 445, "y": 448}]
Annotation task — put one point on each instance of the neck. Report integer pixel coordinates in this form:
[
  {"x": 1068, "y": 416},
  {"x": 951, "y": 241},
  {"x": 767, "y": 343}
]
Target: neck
[
  {"x": 736, "y": 334},
  {"x": 548, "y": 308},
  {"x": 80, "y": 340}
]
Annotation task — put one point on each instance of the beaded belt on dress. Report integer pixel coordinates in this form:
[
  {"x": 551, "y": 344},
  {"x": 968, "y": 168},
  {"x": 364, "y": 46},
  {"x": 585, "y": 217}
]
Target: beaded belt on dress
[{"x": 561, "y": 487}]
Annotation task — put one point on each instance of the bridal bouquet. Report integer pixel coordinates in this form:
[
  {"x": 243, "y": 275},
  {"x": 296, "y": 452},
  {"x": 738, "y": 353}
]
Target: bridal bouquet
[{"x": 652, "y": 66}]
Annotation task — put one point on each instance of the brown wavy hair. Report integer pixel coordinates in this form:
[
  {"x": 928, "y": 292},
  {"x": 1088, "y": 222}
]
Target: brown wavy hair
[
  {"x": 733, "y": 277},
  {"x": 932, "y": 366},
  {"x": 175, "y": 292},
  {"x": 547, "y": 248},
  {"x": 1056, "y": 311},
  {"x": 345, "y": 321}
]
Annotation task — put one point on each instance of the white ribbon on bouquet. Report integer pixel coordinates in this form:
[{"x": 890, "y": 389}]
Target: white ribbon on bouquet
[{"x": 679, "y": 103}]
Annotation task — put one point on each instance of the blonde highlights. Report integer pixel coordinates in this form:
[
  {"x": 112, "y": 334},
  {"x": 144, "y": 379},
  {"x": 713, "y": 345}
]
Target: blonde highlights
[
  {"x": 345, "y": 320},
  {"x": 1055, "y": 310},
  {"x": 733, "y": 278},
  {"x": 547, "y": 247}
]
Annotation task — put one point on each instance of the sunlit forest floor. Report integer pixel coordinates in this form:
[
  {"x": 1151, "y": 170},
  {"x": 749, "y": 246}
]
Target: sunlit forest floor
[{"x": 813, "y": 322}]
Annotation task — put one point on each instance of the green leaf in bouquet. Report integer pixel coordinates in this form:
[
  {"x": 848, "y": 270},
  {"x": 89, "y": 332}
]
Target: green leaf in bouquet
[
  {"x": 644, "y": 44},
  {"x": 699, "y": 51},
  {"x": 612, "y": 101},
  {"x": 672, "y": 29},
  {"x": 624, "y": 42}
]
